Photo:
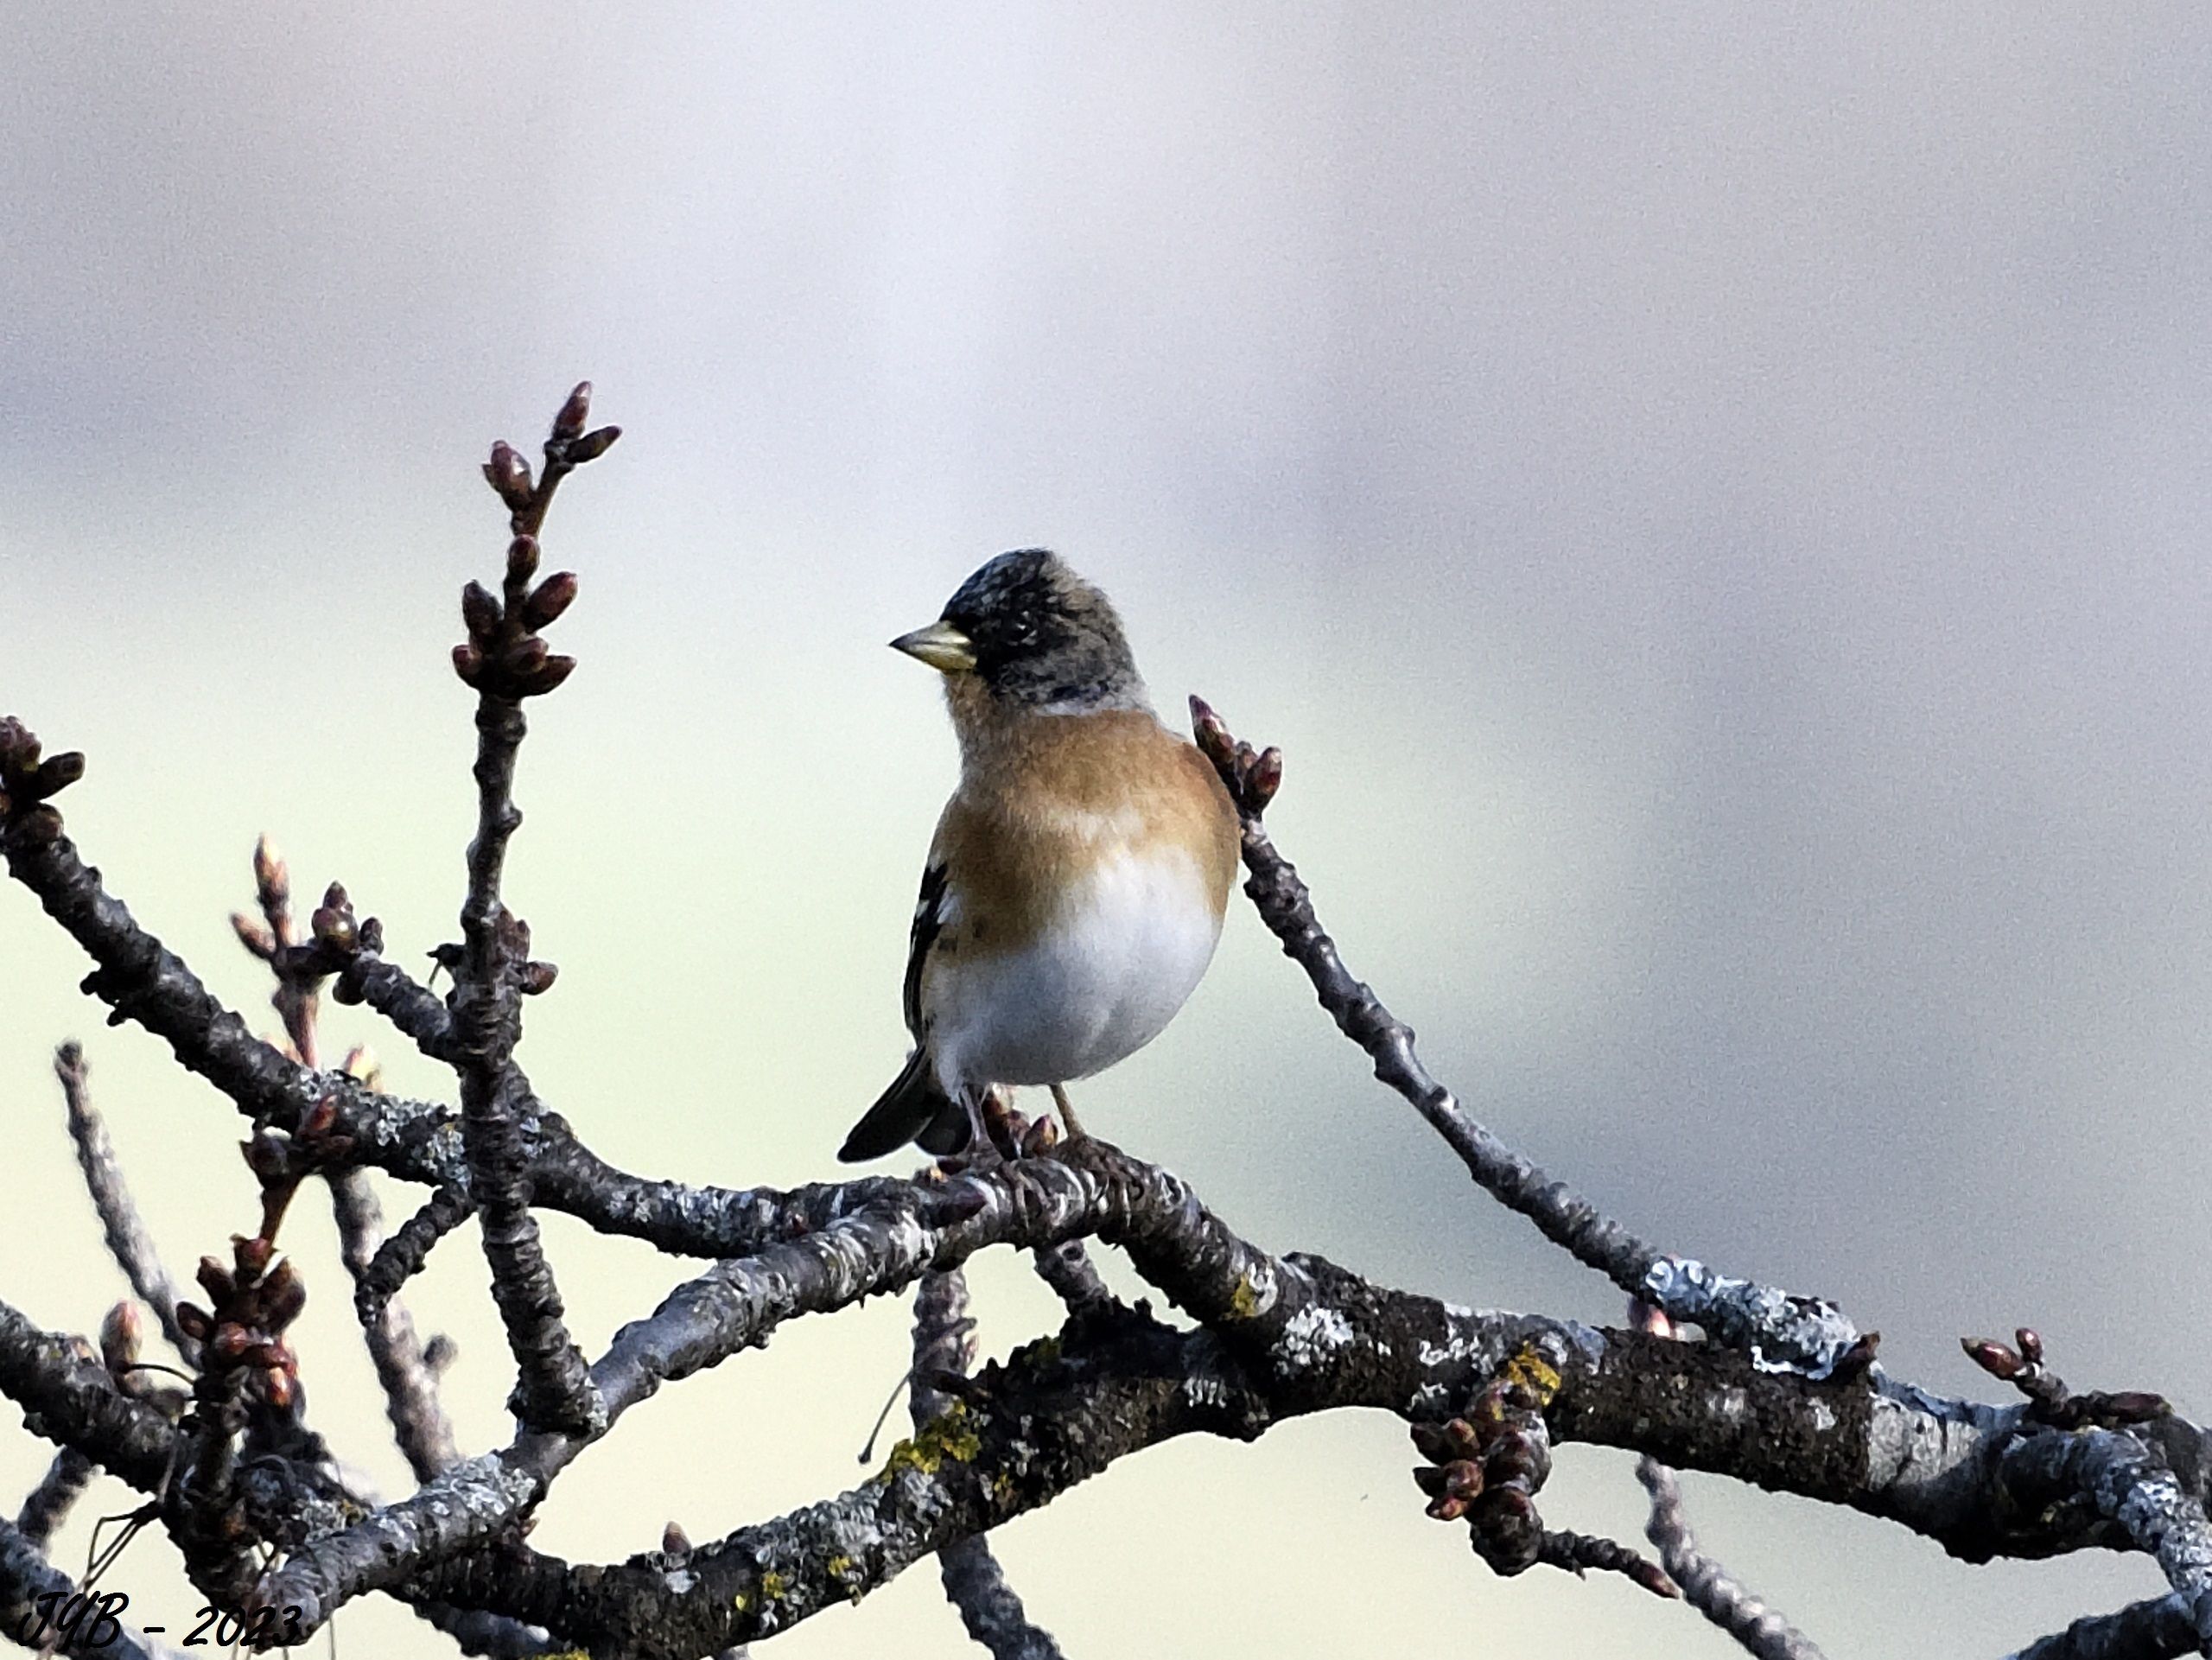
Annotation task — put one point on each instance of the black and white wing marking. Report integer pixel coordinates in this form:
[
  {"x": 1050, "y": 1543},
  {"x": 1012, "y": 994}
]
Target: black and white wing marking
[{"x": 929, "y": 922}]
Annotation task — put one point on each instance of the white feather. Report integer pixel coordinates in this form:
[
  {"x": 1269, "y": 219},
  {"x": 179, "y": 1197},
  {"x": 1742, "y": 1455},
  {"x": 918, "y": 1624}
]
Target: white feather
[{"x": 1100, "y": 982}]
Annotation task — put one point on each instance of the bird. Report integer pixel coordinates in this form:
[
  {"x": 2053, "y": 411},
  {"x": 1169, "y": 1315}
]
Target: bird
[{"x": 1075, "y": 888}]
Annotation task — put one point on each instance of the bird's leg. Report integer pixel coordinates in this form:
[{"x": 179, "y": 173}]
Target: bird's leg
[
  {"x": 993, "y": 1110},
  {"x": 1067, "y": 1113}
]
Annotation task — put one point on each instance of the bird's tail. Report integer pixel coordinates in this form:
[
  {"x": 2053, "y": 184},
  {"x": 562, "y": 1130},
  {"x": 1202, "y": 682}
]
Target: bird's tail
[{"x": 914, "y": 1109}]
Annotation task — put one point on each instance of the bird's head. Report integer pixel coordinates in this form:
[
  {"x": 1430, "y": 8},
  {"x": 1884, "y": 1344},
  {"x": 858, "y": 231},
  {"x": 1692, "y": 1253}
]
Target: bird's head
[{"x": 1025, "y": 631}]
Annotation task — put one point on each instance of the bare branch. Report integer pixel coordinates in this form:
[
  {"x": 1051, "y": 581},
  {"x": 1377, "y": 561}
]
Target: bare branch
[
  {"x": 2157, "y": 1628},
  {"x": 47, "y": 1505},
  {"x": 401, "y": 1257},
  {"x": 26, "y": 1577},
  {"x": 418, "y": 1422},
  {"x": 127, "y": 1238},
  {"x": 507, "y": 660},
  {"x": 1066, "y": 1268},
  {"x": 1707, "y": 1587},
  {"x": 1805, "y": 1332},
  {"x": 68, "y": 1398}
]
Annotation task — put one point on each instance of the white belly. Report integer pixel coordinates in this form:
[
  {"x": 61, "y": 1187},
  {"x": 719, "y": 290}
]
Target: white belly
[{"x": 1100, "y": 982}]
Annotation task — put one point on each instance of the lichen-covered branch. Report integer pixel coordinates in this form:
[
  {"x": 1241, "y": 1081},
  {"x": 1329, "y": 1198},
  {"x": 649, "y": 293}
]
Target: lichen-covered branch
[
  {"x": 944, "y": 1348},
  {"x": 1802, "y": 1331}
]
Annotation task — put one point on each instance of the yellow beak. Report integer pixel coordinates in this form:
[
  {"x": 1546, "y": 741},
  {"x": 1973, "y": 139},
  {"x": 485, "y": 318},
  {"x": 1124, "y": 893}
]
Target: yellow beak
[{"x": 941, "y": 646}]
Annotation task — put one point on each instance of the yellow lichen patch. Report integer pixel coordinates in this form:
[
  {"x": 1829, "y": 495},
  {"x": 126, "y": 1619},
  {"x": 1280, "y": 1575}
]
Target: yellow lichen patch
[
  {"x": 838, "y": 1567},
  {"x": 1038, "y": 1352},
  {"x": 1244, "y": 1301},
  {"x": 1002, "y": 1487},
  {"x": 950, "y": 1435},
  {"x": 1529, "y": 1371},
  {"x": 743, "y": 1603},
  {"x": 774, "y": 1585}
]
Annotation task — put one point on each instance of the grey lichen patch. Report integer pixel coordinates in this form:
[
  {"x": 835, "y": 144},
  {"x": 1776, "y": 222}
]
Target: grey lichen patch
[
  {"x": 1781, "y": 1332},
  {"x": 1312, "y": 1337}
]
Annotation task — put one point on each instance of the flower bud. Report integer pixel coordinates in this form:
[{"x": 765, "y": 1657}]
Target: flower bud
[
  {"x": 569, "y": 422},
  {"x": 479, "y": 610},
  {"x": 552, "y": 596}
]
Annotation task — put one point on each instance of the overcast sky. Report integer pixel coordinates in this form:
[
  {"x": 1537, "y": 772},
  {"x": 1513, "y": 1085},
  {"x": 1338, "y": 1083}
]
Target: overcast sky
[{"x": 1712, "y": 501}]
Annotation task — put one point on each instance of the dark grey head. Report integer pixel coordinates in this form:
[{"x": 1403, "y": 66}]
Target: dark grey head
[{"x": 1034, "y": 632}]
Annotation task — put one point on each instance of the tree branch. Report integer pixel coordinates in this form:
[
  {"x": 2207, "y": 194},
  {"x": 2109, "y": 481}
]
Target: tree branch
[
  {"x": 418, "y": 1421},
  {"x": 1804, "y": 1333},
  {"x": 2158, "y": 1628},
  {"x": 25, "y": 1576},
  {"x": 944, "y": 1348},
  {"x": 128, "y": 1241}
]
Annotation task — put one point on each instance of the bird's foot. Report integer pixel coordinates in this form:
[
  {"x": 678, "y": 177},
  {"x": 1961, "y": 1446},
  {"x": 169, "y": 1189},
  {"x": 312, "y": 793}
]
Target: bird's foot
[{"x": 1075, "y": 1130}]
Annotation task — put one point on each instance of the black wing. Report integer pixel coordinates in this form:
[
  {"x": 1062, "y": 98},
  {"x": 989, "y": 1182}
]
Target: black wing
[{"x": 929, "y": 922}]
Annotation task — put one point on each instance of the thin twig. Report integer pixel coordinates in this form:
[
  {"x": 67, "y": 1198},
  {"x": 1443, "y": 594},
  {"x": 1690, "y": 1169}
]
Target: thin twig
[
  {"x": 1807, "y": 1332},
  {"x": 47, "y": 1505},
  {"x": 402, "y": 1256},
  {"x": 1707, "y": 1587},
  {"x": 1704, "y": 1584},
  {"x": 506, "y": 661},
  {"x": 418, "y": 1421},
  {"x": 126, "y": 1233}
]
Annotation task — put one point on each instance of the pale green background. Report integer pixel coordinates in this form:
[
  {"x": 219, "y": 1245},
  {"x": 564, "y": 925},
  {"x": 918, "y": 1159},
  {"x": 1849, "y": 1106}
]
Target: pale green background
[{"x": 1712, "y": 500}]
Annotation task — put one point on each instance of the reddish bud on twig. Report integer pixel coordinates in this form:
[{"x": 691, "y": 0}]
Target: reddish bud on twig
[
  {"x": 251, "y": 935},
  {"x": 551, "y": 673},
  {"x": 569, "y": 422},
  {"x": 215, "y": 1278},
  {"x": 552, "y": 596},
  {"x": 1265, "y": 778},
  {"x": 538, "y": 978},
  {"x": 593, "y": 445},
  {"x": 272, "y": 878},
  {"x": 479, "y": 610},
  {"x": 468, "y": 664},
  {"x": 121, "y": 1333},
  {"x": 59, "y": 772},
  {"x": 2029, "y": 1344},
  {"x": 1992, "y": 1358},
  {"x": 287, "y": 1295},
  {"x": 193, "y": 1320},
  {"x": 509, "y": 475},
  {"x": 674, "y": 1540},
  {"x": 522, "y": 559},
  {"x": 251, "y": 1255}
]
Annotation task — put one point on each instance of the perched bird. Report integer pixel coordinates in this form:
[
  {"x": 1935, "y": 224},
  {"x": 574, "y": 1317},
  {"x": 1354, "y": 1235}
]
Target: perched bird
[{"x": 1075, "y": 888}]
